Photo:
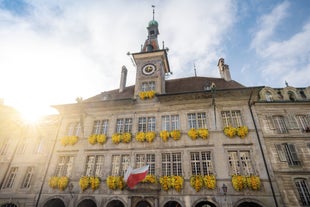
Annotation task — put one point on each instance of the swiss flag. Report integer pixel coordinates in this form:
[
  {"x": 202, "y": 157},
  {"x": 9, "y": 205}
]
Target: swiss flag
[{"x": 134, "y": 176}]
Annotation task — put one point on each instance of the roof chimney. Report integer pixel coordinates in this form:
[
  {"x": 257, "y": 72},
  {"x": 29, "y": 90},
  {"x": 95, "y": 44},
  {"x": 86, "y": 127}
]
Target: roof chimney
[
  {"x": 224, "y": 70},
  {"x": 123, "y": 79}
]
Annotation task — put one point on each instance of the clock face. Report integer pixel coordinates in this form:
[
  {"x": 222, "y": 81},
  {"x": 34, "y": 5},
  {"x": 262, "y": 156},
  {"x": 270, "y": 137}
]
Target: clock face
[{"x": 148, "y": 69}]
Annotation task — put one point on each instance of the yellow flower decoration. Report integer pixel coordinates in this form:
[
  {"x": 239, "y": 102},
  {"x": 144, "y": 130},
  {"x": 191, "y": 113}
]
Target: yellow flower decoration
[
  {"x": 164, "y": 135},
  {"x": 101, "y": 138},
  {"x": 149, "y": 179},
  {"x": 116, "y": 138},
  {"x": 84, "y": 182},
  {"x": 192, "y": 133},
  {"x": 146, "y": 94},
  {"x": 140, "y": 136},
  {"x": 253, "y": 182},
  {"x": 150, "y": 136},
  {"x": 53, "y": 182},
  {"x": 165, "y": 182},
  {"x": 230, "y": 131},
  {"x": 203, "y": 133},
  {"x": 242, "y": 131},
  {"x": 126, "y": 137},
  {"x": 94, "y": 182},
  {"x": 209, "y": 181},
  {"x": 196, "y": 182},
  {"x": 115, "y": 182},
  {"x": 177, "y": 182},
  {"x": 239, "y": 182},
  {"x": 175, "y": 134},
  {"x": 69, "y": 140},
  {"x": 92, "y": 139},
  {"x": 63, "y": 182}
]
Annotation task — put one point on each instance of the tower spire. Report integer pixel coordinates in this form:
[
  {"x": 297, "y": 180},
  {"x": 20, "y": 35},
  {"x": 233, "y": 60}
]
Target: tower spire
[{"x": 153, "y": 6}]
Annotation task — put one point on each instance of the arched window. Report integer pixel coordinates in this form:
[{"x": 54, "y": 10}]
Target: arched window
[
  {"x": 303, "y": 191},
  {"x": 303, "y": 95}
]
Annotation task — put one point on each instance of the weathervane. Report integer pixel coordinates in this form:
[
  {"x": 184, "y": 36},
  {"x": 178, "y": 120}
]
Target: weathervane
[{"x": 153, "y": 6}]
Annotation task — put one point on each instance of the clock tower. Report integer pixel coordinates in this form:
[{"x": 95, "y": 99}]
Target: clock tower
[{"x": 151, "y": 63}]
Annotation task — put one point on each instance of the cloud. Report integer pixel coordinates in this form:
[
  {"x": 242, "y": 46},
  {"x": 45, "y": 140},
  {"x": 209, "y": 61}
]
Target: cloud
[{"x": 282, "y": 59}]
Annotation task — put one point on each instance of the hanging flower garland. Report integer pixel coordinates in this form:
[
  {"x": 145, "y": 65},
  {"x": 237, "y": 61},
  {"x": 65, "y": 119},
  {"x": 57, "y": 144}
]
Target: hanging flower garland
[
  {"x": 140, "y": 136},
  {"x": 242, "y": 131},
  {"x": 150, "y": 136},
  {"x": 58, "y": 182},
  {"x": 147, "y": 94},
  {"x": 101, "y": 138},
  {"x": 173, "y": 181},
  {"x": 92, "y": 139},
  {"x": 175, "y": 134},
  {"x": 193, "y": 134},
  {"x": 69, "y": 140},
  {"x": 115, "y": 182},
  {"x": 230, "y": 131},
  {"x": 210, "y": 181},
  {"x": 165, "y": 182},
  {"x": 84, "y": 182},
  {"x": 164, "y": 135},
  {"x": 150, "y": 179},
  {"x": 239, "y": 182},
  {"x": 196, "y": 182},
  {"x": 94, "y": 182},
  {"x": 121, "y": 137},
  {"x": 253, "y": 182}
]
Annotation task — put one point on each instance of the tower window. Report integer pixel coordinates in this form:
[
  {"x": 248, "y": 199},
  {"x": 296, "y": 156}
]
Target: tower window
[{"x": 148, "y": 86}]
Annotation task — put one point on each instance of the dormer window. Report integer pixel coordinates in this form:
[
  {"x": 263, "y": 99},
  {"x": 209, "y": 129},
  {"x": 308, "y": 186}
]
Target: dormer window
[
  {"x": 291, "y": 96},
  {"x": 148, "y": 86},
  {"x": 268, "y": 96}
]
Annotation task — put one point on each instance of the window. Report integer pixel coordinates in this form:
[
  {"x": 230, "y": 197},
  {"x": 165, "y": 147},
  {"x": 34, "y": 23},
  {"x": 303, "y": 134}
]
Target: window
[
  {"x": 197, "y": 120},
  {"x": 100, "y": 127},
  {"x": 3, "y": 147},
  {"x": 232, "y": 118},
  {"x": 146, "y": 159},
  {"x": 268, "y": 96},
  {"x": 94, "y": 165},
  {"x": 74, "y": 129},
  {"x": 120, "y": 163},
  {"x": 291, "y": 96},
  {"x": 123, "y": 125},
  {"x": 303, "y": 191},
  {"x": 146, "y": 124},
  {"x": 201, "y": 163},
  {"x": 64, "y": 166},
  {"x": 148, "y": 86},
  {"x": 8, "y": 183},
  {"x": 21, "y": 148},
  {"x": 287, "y": 153},
  {"x": 171, "y": 164},
  {"x": 240, "y": 163},
  {"x": 27, "y": 177},
  {"x": 170, "y": 122},
  {"x": 304, "y": 122},
  {"x": 279, "y": 124}
]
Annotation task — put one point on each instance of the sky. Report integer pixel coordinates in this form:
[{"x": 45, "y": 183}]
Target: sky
[{"x": 52, "y": 52}]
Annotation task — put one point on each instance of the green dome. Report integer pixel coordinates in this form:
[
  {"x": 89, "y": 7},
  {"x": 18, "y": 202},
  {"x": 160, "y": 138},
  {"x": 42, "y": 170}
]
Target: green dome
[{"x": 153, "y": 23}]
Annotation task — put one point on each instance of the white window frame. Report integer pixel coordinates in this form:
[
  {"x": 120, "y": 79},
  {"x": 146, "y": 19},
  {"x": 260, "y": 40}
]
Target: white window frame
[
  {"x": 288, "y": 153},
  {"x": 123, "y": 125},
  {"x": 240, "y": 162},
  {"x": 120, "y": 164},
  {"x": 202, "y": 163},
  {"x": 74, "y": 129},
  {"x": 94, "y": 165},
  {"x": 232, "y": 118},
  {"x": 170, "y": 122},
  {"x": 197, "y": 120},
  {"x": 100, "y": 126},
  {"x": 171, "y": 164},
  {"x": 146, "y": 159},
  {"x": 148, "y": 86},
  {"x": 147, "y": 124},
  {"x": 10, "y": 179},
  {"x": 27, "y": 178},
  {"x": 64, "y": 166},
  {"x": 303, "y": 191}
]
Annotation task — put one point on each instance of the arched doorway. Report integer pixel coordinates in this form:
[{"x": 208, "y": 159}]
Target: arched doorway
[
  {"x": 55, "y": 202},
  {"x": 143, "y": 204},
  {"x": 205, "y": 204},
  {"x": 8, "y": 205},
  {"x": 172, "y": 204},
  {"x": 115, "y": 203},
  {"x": 87, "y": 203},
  {"x": 249, "y": 204}
]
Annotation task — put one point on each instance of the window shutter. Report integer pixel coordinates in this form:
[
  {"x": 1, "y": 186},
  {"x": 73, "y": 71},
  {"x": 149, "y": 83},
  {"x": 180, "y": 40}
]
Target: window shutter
[
  {"x": 293, "y": 152},
  {"x": 281, "y": 152}
]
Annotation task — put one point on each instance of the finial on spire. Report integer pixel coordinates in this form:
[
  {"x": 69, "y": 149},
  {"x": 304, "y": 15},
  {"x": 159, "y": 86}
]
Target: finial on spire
[
  {"x": 153, "y": 6},
  {"x": 286, "y": 83},
  {"x": 195, "y": 70}
]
